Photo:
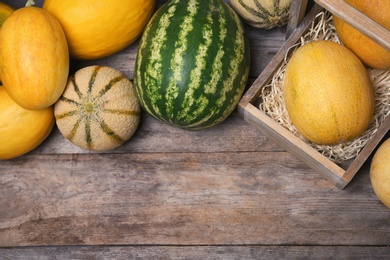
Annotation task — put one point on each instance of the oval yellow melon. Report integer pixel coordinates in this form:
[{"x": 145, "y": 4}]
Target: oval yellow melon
[
  {"x": 369, "y": 52},
  {"x": 5, "y": 11},
  {"x": 380, "y": 173},
  {"x": 328, "y": 93},
  {"x": 22, "y": 130},
  {"x": 98, "y": 109},
  {"x": 96, "y": 29},
  {"x": 34, "y": 58}
]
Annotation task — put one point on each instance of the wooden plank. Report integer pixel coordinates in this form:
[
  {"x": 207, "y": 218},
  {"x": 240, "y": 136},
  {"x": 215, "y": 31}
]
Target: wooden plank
[
  {"x": 183, "y": 199},
  {"x": 248, "y": 252},
  {"x": 224, "y": 193},
  {"x": 297, "y": 13},
  {"x": 234, "y": 134}
]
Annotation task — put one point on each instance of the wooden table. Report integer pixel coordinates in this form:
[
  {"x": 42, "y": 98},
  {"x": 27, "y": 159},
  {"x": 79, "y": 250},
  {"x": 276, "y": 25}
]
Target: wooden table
[{"x": 227, "y": 192}]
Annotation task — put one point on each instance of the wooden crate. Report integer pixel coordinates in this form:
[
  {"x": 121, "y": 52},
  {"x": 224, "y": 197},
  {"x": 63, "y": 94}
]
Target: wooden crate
[{"x": 340, "y": 174}]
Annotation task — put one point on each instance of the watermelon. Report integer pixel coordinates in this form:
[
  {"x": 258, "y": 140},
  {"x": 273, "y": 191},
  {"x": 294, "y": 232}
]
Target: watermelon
[{"x": 192, "y": 64}]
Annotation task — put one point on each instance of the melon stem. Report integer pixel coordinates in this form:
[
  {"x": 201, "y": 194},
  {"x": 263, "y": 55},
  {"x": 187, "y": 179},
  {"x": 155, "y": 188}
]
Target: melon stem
[{"x": 30, "y": 3}]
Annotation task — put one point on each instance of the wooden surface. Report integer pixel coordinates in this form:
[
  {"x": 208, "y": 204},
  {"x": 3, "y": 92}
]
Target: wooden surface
[{"x": 224, "y": 193}]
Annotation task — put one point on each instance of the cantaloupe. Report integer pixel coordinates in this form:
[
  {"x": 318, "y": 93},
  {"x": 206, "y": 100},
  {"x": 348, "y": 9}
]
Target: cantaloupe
[
  {"x": 264, "y": 14},
  {"x": 98, "y": 110}
]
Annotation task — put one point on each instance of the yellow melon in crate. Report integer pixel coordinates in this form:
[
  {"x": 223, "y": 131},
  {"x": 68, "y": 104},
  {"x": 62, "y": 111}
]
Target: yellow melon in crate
[{"x": 328, "y": 93}]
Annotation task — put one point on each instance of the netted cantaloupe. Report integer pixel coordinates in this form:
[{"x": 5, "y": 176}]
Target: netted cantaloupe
[{"x": 98, "y": 110}]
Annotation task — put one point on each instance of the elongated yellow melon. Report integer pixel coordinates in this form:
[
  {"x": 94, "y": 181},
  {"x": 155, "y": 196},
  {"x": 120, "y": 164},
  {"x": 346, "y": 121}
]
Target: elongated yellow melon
[
  {"x": 34, "y": 58},
  {"x": 22, "y": 130}
]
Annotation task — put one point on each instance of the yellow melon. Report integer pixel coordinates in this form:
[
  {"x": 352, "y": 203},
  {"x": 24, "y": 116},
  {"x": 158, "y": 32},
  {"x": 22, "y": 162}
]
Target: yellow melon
[
  {"x": 96, "y": 29},
  {"x": 34, "y": 58},
  {"x": 99, "y": 109},
  {"x": 380, "y": 173},
  {"x": 328, "y": 93},
  {"x": 22, "y": 130},
  {"x": 5, "y": 11},
  {"x": 369, "y": 52}
]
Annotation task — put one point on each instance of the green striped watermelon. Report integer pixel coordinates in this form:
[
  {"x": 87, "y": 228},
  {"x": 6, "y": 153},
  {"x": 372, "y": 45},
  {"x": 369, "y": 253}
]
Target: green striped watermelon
[{"x": 192, "y": 63}]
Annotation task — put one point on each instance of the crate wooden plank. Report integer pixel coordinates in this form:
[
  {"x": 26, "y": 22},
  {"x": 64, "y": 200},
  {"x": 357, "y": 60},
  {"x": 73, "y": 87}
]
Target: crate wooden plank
[{"x": 297, "y": 13}]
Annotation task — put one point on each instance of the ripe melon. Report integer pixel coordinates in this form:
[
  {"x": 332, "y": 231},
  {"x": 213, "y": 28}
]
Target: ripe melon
[
  {"x": 328, "y": 93},
  {"x": 369, "y": 52},
  {"x": 98, "y": 110},
  {"x": 34, "y": 58},
  {"x": 96, "y": 29},
  {"x": 380, "y": 173},
  {"x": 22, "y": 130},
  {"x": 5, "y": 11},
  {"x": 265, "y": 14}
]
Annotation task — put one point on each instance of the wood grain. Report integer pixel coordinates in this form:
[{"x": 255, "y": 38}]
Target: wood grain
[
  {"x": 228, "y": 192},
  {"x": 247, "y": 252},
  {"x": 183, "y": 199},
  {"x": 297, "y": 13},
  {"x": 153, "y": 136}
]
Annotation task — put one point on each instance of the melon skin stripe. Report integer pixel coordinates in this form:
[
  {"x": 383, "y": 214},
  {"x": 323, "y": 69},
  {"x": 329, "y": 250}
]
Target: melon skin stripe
[{"x": 192, "y": 63}]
